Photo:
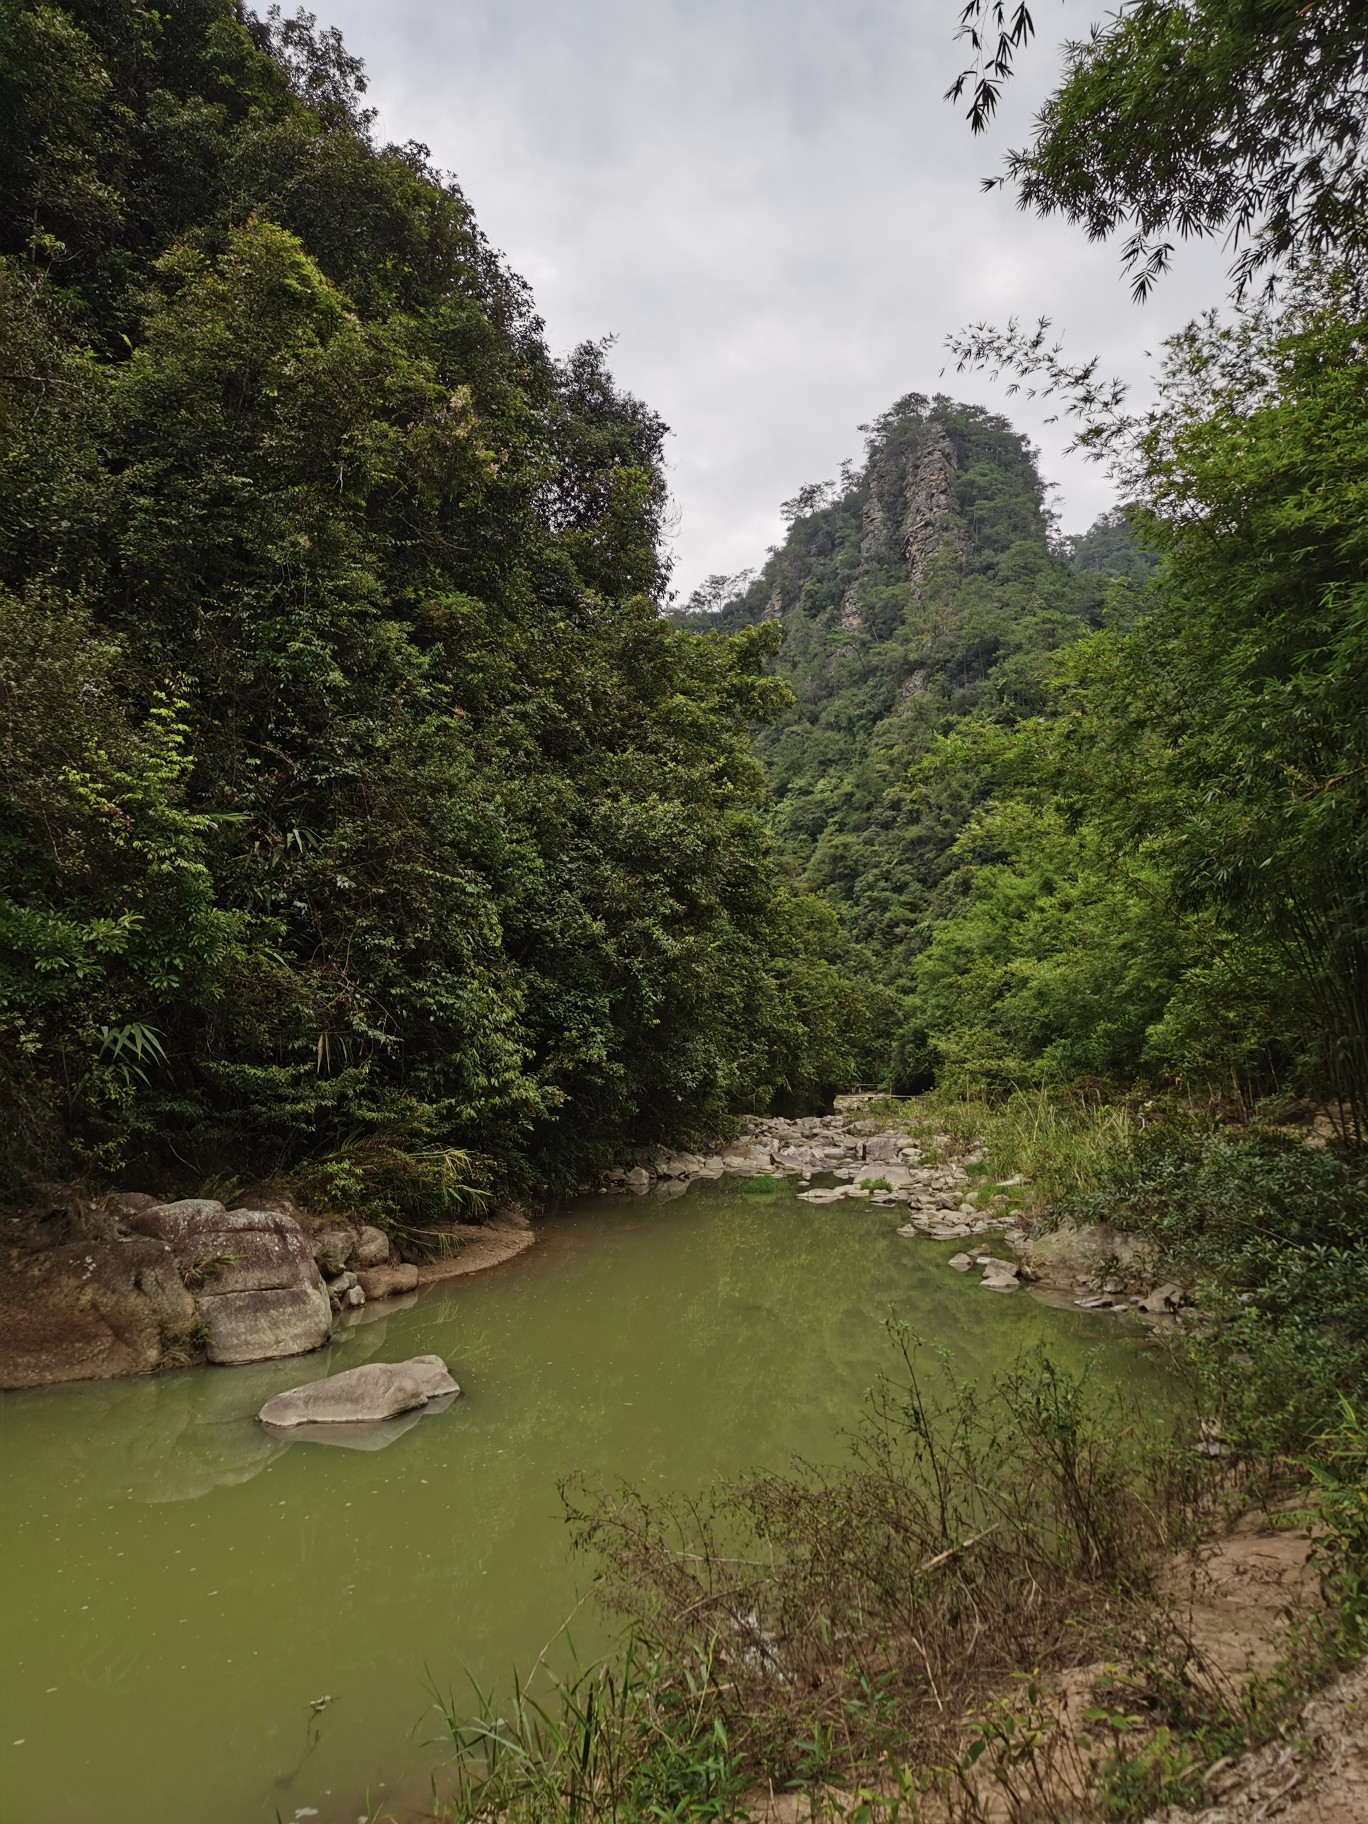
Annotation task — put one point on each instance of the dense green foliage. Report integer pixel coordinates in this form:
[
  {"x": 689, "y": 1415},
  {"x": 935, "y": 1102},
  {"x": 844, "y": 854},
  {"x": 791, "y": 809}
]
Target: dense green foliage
[
  {"x": 927, "y": 595},
  {"x": 1181, "y": 839},
  {"x": 355, "y": 794},
  {"x": 1095, "y": 809},
  {"x": 1273, "y": 1235}
]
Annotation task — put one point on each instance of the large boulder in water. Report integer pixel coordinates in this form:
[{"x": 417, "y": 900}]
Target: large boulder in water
[
  {"x": 379, "y": 1390},
  {"x": 87, "y": 1309},
  {"x": 256, "y": 1287}
]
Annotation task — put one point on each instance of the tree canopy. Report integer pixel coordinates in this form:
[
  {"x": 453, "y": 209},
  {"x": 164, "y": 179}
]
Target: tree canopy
[
  {"x": 1192, "y": 118},
  {"x": 358, "y": 804}
]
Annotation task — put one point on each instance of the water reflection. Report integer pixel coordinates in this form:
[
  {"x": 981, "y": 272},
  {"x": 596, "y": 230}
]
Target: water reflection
[{"x": 367, "y": 1434}]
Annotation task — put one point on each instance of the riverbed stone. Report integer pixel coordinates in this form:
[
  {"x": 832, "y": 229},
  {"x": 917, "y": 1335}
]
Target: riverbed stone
[
  {"x": 678, "y": 1165},
  {"x": 345, "y": 1292},
  {"x": 375, "y": 1391},
  {"x": 384, "y": 1282},
  {"x": 883, "y": 1147},
  {"x": 999, "y": 1276},
  {"x": 332, "y": 1249},
  {"x": 372, "y": 1248},
  {"x": 1163, "y": 1300}
]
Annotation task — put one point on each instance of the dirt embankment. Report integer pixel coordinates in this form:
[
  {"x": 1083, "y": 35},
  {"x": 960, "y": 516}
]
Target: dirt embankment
[
  {"x": 1234, "y": 1612},
  {"x": 1242, "y": 1599}
]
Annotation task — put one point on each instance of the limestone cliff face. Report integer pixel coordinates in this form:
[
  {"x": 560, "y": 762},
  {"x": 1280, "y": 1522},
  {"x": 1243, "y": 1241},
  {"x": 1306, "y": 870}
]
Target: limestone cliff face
[
  {"x": 939, "y": 479},
  {"x": 910, "y": 515},
  {"x": 943, "y": 491},
  {"x": 873, "y": 525},
  {"x": 931, "y": 525}
]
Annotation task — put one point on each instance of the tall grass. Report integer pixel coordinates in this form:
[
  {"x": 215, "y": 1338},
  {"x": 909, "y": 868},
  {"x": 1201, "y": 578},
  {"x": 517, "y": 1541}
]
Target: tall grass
[
  {"x": 1062, "y": 1144},
  {"x": 615, "y": 1740},
  {"x": 1061, "y": 1147}
]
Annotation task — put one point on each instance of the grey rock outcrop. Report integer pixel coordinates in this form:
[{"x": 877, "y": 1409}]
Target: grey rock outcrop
[
  {"x": 256, "y": 1287},
  {"x": 89, "y": 1309},
  {"x": 365, "y": 1395},
  {"x": 1071, "y": 1256}
]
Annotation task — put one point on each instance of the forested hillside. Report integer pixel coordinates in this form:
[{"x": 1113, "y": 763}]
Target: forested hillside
[
  {"x": 360, "y": 807},
  {"x": 926, "y": 591},
  {"x": 357, "y": 805},
  {"x": 1092, "y": 808}
]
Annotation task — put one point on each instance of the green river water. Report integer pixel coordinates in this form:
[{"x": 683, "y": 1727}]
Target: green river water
[{"x": 178, "y": 1587}]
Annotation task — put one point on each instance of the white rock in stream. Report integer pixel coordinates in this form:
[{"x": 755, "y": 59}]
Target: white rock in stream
[
  {"x": 1000, "y": 1276},
  {"x": 378, "y": 1390}
]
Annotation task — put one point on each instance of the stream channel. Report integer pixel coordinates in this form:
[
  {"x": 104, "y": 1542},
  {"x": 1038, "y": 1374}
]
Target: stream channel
[{"x": 178, "y": 1587}]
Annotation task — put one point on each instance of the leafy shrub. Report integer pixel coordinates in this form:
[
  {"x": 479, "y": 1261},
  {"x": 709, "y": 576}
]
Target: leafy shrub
[
  {"x": 1340, "y": 1469},
  {"x": 1273, "y": 1236}
]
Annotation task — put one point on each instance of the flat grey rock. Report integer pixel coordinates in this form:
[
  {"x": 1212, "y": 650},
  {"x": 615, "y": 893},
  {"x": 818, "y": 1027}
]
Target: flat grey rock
[
  {"x": 362, "y": 1396},
  {"x": 384, "y": 1282}
]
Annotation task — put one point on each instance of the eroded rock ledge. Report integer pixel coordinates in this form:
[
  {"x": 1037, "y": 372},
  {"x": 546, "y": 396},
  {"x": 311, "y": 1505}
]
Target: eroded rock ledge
[{"x": 124, "y": 1284}]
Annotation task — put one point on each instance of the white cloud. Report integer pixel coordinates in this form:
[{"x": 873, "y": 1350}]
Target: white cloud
[{"x": 772, "y": 209}]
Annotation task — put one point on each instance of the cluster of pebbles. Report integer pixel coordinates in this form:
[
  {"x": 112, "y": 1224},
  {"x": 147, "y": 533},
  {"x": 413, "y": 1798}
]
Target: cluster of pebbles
[
  {"x": 882, "y": 1169},
  {"x": 837, "y": 1162}
]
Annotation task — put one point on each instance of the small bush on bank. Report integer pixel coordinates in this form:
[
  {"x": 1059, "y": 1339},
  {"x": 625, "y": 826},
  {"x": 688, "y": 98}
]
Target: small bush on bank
[
  {"x": 1272, "y": 1236},
  {"x": 1340, "y": 1508}
]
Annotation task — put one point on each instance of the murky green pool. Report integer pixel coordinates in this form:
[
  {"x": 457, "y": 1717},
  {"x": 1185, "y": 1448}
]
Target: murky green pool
[{"x": 179, "y": 1588}]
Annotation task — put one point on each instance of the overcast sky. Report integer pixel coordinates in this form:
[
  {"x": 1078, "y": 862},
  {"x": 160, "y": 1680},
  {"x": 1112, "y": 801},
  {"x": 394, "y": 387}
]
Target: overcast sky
[{"x": 770, "y": 206}]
